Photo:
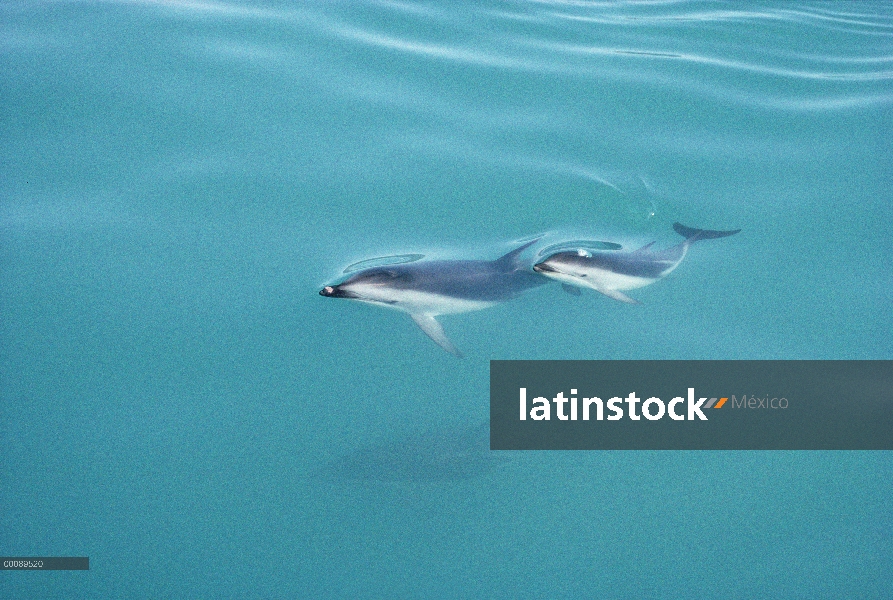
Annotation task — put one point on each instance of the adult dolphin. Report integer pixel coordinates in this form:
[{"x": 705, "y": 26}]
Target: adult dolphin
[{"x": 427, "y": 289}]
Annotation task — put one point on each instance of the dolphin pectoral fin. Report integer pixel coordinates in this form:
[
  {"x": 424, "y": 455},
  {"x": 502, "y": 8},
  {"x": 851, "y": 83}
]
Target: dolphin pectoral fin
[
  {"x": 618, "y": 295},
  {"x": 570, "y": 289},
  {"x": 434, "y": 330}
]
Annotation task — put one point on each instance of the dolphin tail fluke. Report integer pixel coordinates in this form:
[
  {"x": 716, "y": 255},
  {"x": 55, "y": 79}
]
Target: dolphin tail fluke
[
  {"x": 510, "y": 262},
  {"x": 434, "y": 330},
  {"x": 692, "y": 235}
]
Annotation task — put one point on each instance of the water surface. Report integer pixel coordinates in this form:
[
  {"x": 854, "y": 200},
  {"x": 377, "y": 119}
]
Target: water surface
[{"x": 178, "y": 180}]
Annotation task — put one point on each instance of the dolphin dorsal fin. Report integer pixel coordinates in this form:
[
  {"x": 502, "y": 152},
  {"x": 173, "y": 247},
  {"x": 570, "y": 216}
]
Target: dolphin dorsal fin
[
  {"x": 692, "y": 234},
  {"x": 509, "y": 262},
  {"x": 643, "y": 249}
]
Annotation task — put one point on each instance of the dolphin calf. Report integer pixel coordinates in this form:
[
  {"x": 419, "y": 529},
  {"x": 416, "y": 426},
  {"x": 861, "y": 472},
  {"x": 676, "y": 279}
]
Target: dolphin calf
[
  {"x": 426, "y": 289},
  {"x": 610, "y": 272}
]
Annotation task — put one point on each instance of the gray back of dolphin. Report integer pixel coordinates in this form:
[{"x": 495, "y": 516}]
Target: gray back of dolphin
[{"x": 489, "y": 281}]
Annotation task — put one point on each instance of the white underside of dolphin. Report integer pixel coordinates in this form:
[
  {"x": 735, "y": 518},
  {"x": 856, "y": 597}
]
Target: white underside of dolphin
[{"x": 423, "y": 308}]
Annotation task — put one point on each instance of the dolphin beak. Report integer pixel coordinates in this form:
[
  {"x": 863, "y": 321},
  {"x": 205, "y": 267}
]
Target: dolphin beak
[
  {"x": 336, "y": 292},
  {"x": 543, "y": 268}
]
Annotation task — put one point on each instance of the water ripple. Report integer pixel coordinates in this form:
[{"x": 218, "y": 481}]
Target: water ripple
[
  {"x": 626, "y": 41},
  {"x": 632, "y": 30}
]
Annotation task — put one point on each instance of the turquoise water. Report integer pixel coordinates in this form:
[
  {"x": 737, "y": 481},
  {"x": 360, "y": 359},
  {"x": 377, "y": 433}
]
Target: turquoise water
[{"x": 179, "y": 179}]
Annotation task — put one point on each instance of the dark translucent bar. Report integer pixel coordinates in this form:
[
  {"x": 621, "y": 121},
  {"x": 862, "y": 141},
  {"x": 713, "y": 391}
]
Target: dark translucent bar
[{"x": 45, "y": 563}]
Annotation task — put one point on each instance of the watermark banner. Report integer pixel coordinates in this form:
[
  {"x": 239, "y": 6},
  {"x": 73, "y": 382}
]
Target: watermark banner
[{"x": 691, "y": 405}]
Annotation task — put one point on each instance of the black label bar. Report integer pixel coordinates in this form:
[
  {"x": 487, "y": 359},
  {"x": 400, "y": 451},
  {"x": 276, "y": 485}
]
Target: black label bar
[{"x": 45, "y": 563}]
